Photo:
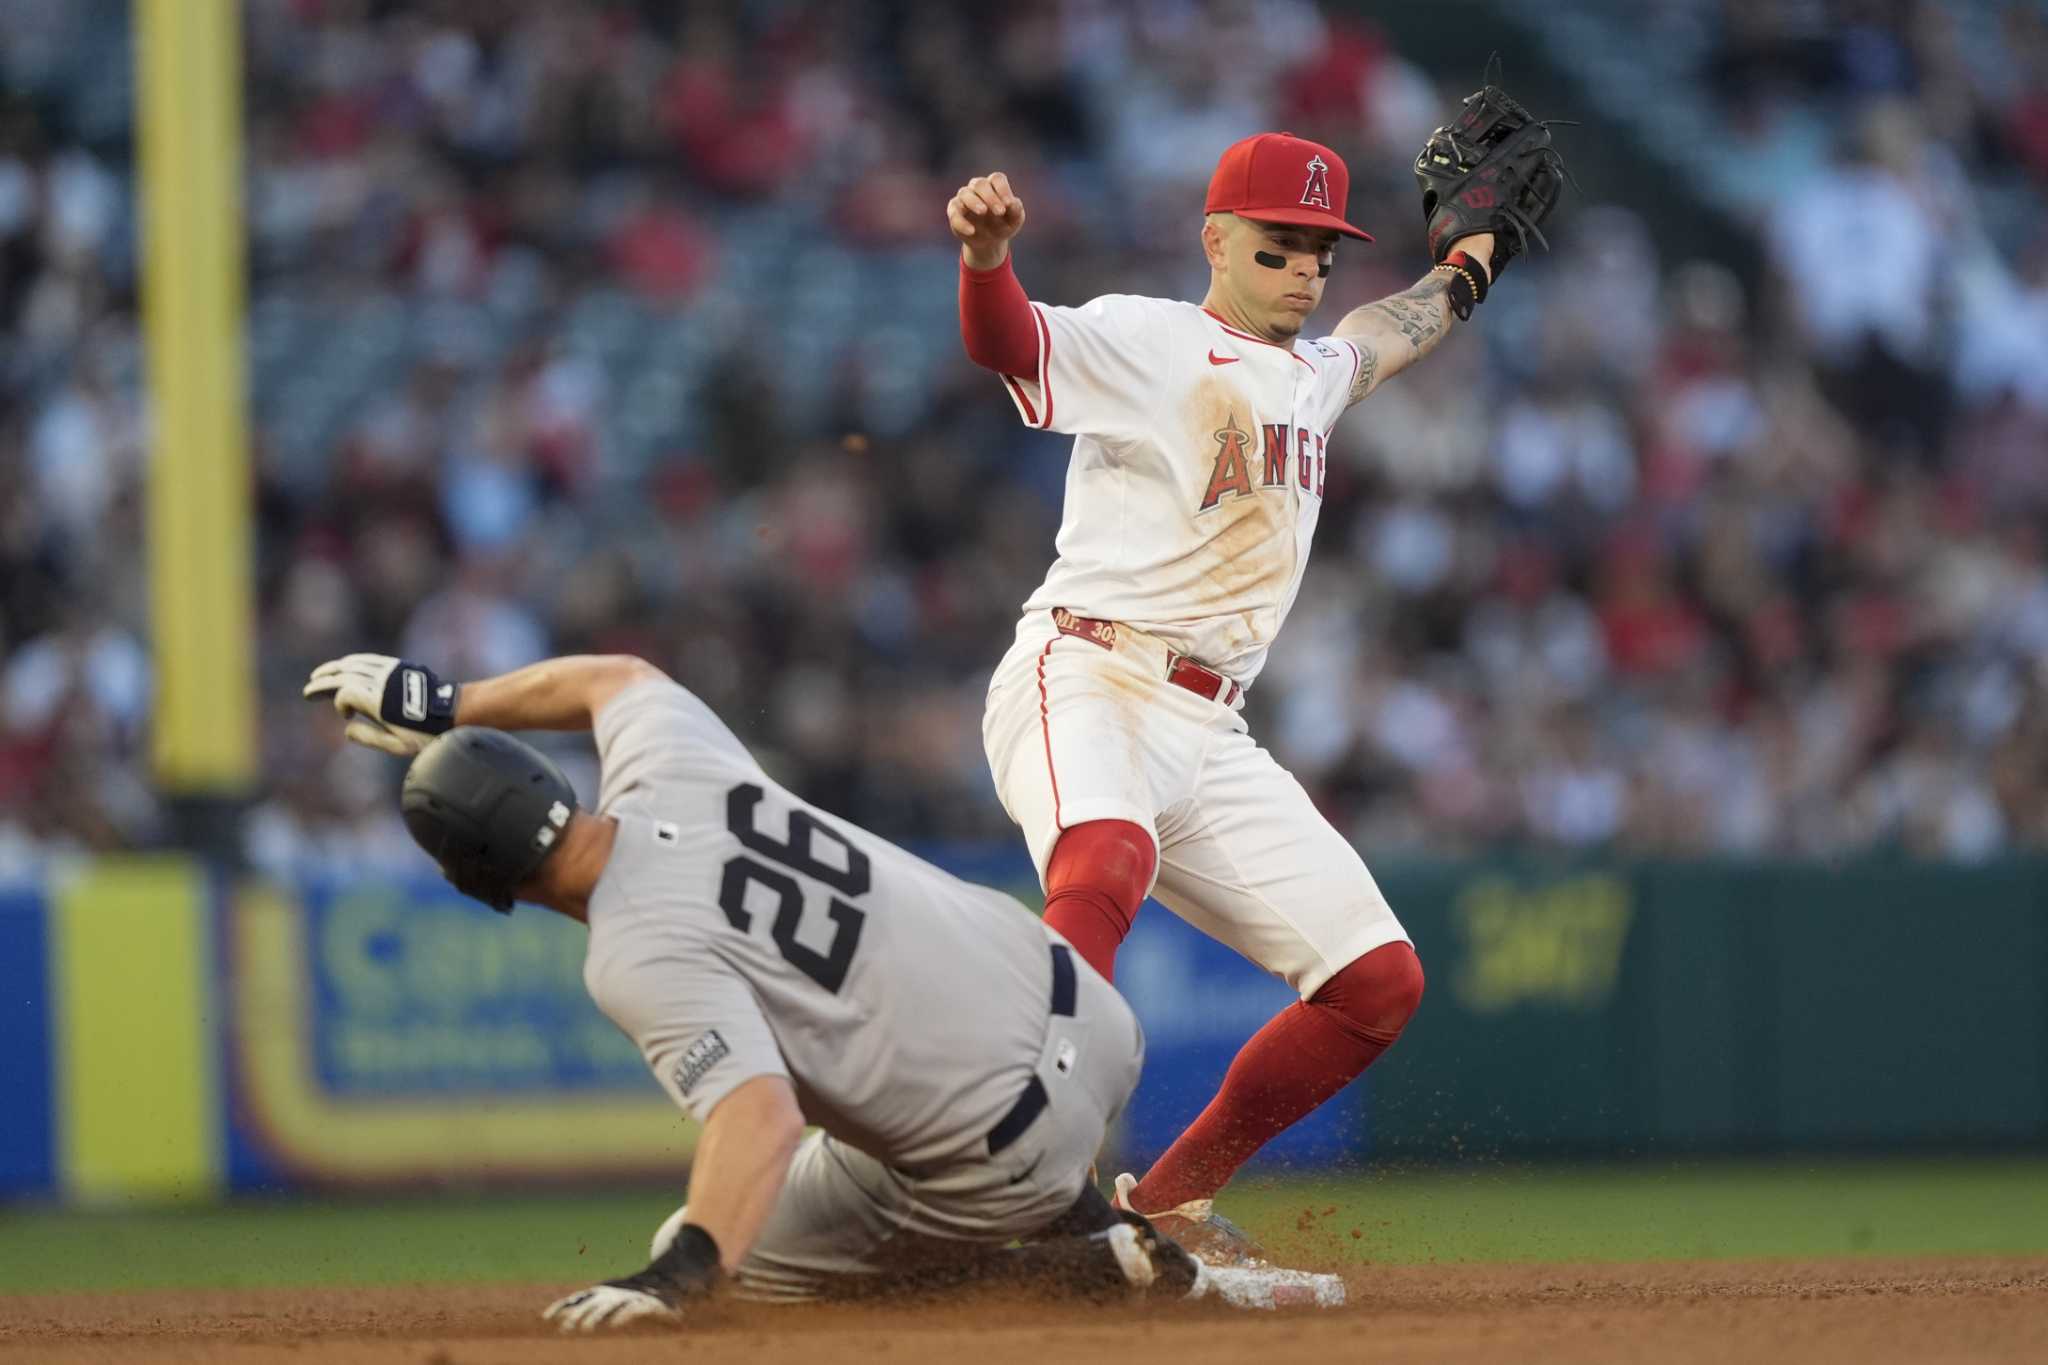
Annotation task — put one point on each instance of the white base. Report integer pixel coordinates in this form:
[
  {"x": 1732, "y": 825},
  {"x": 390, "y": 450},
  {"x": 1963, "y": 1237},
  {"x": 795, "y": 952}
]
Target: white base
[{"x": 1268, "y": 1287}]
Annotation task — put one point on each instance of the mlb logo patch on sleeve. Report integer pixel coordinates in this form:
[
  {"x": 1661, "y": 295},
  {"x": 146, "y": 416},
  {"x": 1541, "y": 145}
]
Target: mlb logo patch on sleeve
[{"x": 698, "y": 1058}]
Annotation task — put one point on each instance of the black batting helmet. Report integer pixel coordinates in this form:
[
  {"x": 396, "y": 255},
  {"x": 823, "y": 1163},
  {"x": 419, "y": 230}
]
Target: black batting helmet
[{"x": 489, "y": 809}]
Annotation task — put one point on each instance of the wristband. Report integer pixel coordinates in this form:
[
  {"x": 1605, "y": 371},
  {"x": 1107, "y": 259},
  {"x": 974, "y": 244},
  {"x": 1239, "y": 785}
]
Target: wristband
[
  {"x": 417, "y": 700},
  {"x": 1462, "y": 293},
  {"x": 1480, "y": 284},
  {"x": 690, "y": 1267}
]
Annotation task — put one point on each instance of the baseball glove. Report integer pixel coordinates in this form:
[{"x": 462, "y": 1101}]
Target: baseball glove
[{"x": 1492, "y": 169}]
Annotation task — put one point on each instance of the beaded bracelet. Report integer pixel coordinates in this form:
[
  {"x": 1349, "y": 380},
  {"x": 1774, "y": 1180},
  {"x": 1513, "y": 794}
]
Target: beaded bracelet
[
  {"x": 1472, "y": 269},
  {"x": 1463, "y": 271},
  {"x": 1464, "y": 291}
]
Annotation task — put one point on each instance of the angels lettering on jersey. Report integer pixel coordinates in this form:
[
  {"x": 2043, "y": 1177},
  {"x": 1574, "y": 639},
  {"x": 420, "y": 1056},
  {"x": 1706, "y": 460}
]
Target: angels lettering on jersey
[{"x": 1235, "y": 462}]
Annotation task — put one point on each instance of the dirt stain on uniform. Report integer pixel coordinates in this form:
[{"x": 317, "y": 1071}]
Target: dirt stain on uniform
[
  {"x": 1247, "y": 555},
  {"x": 1101, "y": 691}
]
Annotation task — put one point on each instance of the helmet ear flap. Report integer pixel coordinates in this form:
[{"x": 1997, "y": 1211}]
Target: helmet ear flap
[{"x": 497, "y": 897}]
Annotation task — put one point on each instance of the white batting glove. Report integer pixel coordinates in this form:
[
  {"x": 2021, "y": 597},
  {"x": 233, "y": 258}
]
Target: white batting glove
[
  {"x": 389, "y": 704},
  {"x": 606, "y": 1305},
  {"x": 375, "y": 735}
]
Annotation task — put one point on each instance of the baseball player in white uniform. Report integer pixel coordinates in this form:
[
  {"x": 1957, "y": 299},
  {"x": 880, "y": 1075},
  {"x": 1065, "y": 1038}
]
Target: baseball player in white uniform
[
  {"x": 1113, "y": 724},
  {"x": 778, "y": 967}
]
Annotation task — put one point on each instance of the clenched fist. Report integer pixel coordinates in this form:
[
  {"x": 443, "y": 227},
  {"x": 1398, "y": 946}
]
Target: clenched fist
[{"x": 985, "y": 215}]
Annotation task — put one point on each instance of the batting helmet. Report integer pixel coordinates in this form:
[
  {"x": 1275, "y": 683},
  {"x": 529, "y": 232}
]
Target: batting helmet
[{"x": 489, "y": 809}]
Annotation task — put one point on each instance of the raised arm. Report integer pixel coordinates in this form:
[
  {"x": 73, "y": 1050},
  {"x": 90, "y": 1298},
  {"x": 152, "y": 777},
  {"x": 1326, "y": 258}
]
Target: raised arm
[
  {"x": 554, "y": 694},
  {"x": 398, "y": 706},
  {"x": 1394, "y": 332},
  {"x": 995, "y": 316}
]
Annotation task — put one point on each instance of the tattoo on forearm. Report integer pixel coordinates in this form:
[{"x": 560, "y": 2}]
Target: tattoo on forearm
[
  {"x": 1419, "y": 311},
  {"x": 1420, "y": 314}
]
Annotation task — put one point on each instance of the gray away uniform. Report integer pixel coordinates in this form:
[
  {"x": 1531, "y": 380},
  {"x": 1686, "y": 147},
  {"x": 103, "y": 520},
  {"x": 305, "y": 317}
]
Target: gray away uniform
[{"x": 961, "y": 1060}]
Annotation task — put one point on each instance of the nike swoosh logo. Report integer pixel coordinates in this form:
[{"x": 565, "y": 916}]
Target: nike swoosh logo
[{"x": 1215, "y": 359}]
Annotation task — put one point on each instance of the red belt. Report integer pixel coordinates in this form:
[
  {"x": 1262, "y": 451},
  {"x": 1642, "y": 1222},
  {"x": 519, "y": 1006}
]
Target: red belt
[{"x": 1181, "y": 671}]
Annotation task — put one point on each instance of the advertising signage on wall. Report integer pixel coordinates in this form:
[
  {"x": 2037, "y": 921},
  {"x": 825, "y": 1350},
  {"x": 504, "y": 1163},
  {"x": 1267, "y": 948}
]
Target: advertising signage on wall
[
  {"x": 375, "y": 1031},
  {"x": 394, "y": 1029}
]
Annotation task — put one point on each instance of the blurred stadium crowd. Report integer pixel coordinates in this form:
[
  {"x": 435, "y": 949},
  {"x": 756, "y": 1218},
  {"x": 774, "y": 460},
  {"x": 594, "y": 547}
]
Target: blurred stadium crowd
[{"x": 631, "y": 327}]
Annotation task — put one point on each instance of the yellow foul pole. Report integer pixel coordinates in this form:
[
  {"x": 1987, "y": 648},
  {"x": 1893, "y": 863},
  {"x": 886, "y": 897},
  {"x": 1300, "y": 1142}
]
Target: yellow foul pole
[{"x": 189, "y": 139}]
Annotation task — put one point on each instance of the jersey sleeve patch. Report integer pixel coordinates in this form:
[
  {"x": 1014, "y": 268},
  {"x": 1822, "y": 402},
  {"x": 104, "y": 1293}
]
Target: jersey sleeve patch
[
  {"x": 692, "y": 1015},
  {"x": 699, "y": 1057},
  {"x": 1339, "y": 378}
]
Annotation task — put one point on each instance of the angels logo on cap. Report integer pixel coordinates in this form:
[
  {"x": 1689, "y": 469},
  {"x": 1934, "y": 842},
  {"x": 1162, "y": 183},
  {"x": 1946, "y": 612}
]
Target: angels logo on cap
[
  {"x": 1281, "y": 178},
  {"x": 1316, "y": 194}
]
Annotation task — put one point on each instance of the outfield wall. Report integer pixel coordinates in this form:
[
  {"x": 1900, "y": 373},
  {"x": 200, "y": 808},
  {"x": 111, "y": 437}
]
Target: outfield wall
[{"x": 166, "y": 1034}]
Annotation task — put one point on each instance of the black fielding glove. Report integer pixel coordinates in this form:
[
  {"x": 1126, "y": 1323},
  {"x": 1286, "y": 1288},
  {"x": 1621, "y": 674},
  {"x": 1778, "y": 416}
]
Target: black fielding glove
[{"x": 1491, "y": 169}]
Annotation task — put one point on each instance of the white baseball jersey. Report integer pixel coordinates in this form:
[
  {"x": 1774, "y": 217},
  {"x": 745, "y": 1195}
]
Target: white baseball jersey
[
  {"x": 737, "y": 932},
  {"x": 1197, "y": 473}
]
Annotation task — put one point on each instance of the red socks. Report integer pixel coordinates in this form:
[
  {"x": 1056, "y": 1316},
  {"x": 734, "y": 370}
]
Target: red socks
[
  {"x": 1309, "y": 1052},
  {"x": 1096, "y": 879}
]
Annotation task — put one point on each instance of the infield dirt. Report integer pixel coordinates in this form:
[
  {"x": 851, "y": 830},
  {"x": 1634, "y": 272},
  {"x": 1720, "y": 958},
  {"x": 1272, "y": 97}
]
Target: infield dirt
[{"x": 1922, "y": 1310}]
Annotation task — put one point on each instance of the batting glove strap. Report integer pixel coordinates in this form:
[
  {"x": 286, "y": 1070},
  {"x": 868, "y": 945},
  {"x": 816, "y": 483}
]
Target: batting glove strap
[
  {"x": 417, "y": 700},
  {"x": 688, "y": 1269}
]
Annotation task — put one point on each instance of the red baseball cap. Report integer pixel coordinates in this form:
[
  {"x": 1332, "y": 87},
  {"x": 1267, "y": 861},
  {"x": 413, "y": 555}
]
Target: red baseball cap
[{"x": 1281, "y": 178}]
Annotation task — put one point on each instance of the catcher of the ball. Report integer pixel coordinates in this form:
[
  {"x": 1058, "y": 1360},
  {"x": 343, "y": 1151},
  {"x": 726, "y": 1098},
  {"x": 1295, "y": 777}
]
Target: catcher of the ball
[{"x": 1490, "y": 170}]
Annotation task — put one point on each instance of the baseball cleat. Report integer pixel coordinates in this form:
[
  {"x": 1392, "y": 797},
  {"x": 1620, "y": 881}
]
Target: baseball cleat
[{"x": 1196, "y": 1225}]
